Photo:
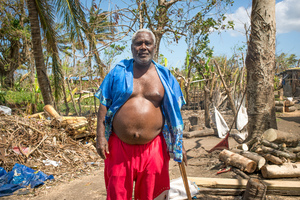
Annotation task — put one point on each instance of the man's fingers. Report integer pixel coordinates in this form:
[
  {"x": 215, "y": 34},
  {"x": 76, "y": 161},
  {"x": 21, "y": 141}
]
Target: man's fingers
[
  {"x": 103, "y": 154},
  {"x": 106, "y": 149}
]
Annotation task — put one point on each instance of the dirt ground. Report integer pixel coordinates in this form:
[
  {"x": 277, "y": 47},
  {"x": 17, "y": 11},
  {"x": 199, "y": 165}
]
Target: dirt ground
[{"x": 200, "y": 164}]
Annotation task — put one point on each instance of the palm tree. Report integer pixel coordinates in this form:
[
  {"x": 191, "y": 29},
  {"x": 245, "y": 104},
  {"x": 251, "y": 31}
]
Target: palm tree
[
  {"x": 41, "y": 13},
  {"x": 36, "y": 12}
]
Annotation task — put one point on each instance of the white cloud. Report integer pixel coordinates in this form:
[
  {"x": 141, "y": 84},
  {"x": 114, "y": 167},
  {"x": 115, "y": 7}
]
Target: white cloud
[
  {"x": 287, "y": 18},
  {"x": 240, "y": 18}
]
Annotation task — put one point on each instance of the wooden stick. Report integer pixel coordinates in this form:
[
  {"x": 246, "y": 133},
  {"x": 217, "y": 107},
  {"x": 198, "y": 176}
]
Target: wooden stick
[{"x": 185, "y": 180}]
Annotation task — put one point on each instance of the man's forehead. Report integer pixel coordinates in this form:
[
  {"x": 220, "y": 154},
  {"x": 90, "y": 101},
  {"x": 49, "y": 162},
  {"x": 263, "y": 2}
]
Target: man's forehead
[{"x": 143, "y": 34}]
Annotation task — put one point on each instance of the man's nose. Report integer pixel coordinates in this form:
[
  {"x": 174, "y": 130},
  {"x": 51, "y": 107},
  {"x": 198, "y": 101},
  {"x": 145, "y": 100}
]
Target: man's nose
[{"x": 143, "y": 46}]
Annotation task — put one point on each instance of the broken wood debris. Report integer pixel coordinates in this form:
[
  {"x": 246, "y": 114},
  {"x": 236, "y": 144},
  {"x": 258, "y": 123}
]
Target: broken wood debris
[
  {"x": 275, "y": 154},
  {"x": 30, "y": 141}
]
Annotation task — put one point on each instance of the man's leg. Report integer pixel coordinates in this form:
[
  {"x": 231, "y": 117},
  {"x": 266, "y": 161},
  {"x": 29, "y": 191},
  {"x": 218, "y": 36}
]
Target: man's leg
[
  {"x": 118, "y": 176},
  {"x": 153, "y": 175}
]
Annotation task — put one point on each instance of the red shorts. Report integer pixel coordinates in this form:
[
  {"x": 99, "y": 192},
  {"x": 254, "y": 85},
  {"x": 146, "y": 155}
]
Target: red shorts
[{"x": 146, "y": 164}]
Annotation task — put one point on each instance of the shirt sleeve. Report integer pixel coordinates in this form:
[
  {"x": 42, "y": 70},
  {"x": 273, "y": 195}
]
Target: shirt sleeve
[
  {"x": 177, "y": 90},
  {"x": 104, "y": 91}
]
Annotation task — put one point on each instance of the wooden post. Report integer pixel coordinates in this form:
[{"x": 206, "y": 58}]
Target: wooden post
[
  {"x": 255, "y": 189},
  {"x": 185, "y": 180}
]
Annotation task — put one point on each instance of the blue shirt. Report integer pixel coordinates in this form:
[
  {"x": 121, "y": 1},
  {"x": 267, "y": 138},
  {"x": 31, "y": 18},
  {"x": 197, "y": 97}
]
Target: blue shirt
[{"x": 117, "y": 87}]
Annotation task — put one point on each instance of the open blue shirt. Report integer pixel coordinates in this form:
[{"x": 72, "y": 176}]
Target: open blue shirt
[{"x": 117, "y": 87}]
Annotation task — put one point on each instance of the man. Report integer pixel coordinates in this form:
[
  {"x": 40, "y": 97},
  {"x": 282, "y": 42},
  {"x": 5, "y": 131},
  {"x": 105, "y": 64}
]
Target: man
[{"x": 139, "y": 124}]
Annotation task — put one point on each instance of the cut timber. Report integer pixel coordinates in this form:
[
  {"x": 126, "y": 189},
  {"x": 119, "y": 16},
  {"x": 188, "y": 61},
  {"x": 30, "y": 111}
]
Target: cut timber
[
  {"x": 279, "y": 109},
  {"x": 279, "y": 153},
  {"x": 221, "y": 191},
  {"x": 286, "y": 170},
  {"x": 72, "y": 120},
  {"x": 240, "y": 173},
  {"x": 288, "y": 103},
  {"x": 294, "y": 150},
  {"x": 241, "y": 183},
  {"x": 200, "y": 133},
  {"x": 51, "y": 111},
  {"x": 261, "y": 161},
  {"x": 273, "y": 135},
  {"x": 279, "y": 103},
  {"x": 56, "y": 118},
  {"x": 255, "y": 189},
  {"x": 269, "y": 144},
  {"x": 240, "y": 192},
  {"x": 290, "y": 109},
  {"x": 238, "y": 161},
  {"x": 273, "y": 159}
]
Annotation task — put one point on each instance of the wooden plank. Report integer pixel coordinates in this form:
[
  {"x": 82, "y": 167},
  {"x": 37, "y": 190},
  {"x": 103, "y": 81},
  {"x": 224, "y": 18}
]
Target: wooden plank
[
  {"x": 240, "y": 192},
  {"x": 241, "y": 183}
]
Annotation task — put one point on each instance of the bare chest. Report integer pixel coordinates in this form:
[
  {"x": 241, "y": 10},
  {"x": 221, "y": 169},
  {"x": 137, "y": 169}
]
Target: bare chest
[{"x": 149, "y": 87}]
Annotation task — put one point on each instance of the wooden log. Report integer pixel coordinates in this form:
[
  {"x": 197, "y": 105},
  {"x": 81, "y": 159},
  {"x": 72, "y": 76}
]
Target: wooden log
[
  {"x": 276, "y": 136},
  {"x": 72, "y": 120},
  {"x": 51, "y": 111},
  {"x": 76, "y": 126},
  {"x": 246, "y": 146},
  {"x": 279, "y": 109},
  {"x": 241, "y": 183},
  {"x": 200, "y": 133},
  {"x": 240, "y": 173},
  {"x": 294, "y": 150},
  {"x": 286, "y": 170},
  {"x": 273, "y": 159},
  {"x": 261, "y": 161},
  {"x": 255, "y": 189},
  {"x": 269, "y": 144},
  {"x": 279, "y": 103},
  {"x": 239, "y": 161},
  {"x": 240, "y": 192},
  {"x": 220, "y": 191},
  {"x": 279, "y": 153},
  {"x": 290, "y": 109},
  {"x": 288, "y": 103}
]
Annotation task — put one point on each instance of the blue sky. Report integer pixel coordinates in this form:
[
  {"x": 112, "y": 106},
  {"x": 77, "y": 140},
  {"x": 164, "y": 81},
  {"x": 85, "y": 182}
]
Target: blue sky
[{"x": 287, "y": 33}]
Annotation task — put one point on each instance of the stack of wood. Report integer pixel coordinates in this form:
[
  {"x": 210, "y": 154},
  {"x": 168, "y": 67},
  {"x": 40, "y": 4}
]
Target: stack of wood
[
  {"x": 275, "y": 154},
  {"x": 285, "y": 106},
  {"x": 77, "y": 127},
  {"x": 289, "y": 106}
]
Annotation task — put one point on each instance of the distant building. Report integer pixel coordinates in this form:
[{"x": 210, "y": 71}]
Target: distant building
[
  {"x": 82, "y": 78},
  {"x": 291, "y": 82}
]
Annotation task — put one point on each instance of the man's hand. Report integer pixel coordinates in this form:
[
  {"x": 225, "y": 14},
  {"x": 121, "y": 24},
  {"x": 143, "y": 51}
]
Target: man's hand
[
  {"x": 102, "y": 147},
  {"x": 184, "y": 159}
]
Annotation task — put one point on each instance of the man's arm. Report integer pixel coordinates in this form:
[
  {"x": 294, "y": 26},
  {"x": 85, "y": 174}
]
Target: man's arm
[{"x": 101, "y": 142}]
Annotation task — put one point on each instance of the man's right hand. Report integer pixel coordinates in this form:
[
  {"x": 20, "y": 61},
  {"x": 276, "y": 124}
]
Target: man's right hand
[{"x": 102, "y": 147}]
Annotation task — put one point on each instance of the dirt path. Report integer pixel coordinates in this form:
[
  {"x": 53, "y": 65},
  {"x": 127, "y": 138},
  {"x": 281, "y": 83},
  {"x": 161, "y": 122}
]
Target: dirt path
[{"x": 201, "y": 164}]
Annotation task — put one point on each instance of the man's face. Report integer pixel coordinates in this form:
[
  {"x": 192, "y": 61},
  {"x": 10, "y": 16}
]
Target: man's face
[{"x": 143, "y": 48}]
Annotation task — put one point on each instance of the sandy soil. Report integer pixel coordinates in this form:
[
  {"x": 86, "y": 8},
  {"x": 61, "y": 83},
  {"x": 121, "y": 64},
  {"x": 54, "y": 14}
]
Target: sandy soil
[{"x": 200, "y": 164}]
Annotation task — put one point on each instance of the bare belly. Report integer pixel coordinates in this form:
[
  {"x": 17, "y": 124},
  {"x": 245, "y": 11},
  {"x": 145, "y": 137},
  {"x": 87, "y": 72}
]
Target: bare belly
[{"x": 138, "y": 121}]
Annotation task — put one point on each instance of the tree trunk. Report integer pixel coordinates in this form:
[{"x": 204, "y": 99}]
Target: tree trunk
[
  {"x": 206, "y": 107},
  {"x": 41, "y": 70},
  {"x": 260, "y": 63}
]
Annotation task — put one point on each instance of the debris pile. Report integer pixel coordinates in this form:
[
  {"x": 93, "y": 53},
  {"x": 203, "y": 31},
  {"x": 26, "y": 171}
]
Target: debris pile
[
  {"x": 36, "y": 144},
  {"x": 285, "y": 106},
  {"x": 275, "y": 154}
]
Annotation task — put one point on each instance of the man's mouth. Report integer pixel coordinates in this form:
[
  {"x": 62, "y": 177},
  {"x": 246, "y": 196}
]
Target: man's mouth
[{"x": 143, "y": 54}]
